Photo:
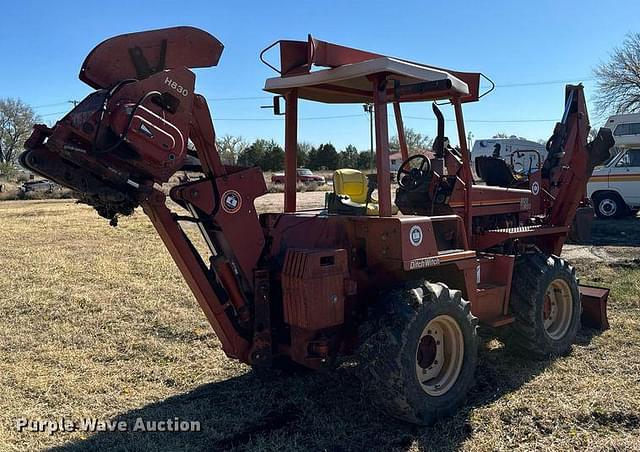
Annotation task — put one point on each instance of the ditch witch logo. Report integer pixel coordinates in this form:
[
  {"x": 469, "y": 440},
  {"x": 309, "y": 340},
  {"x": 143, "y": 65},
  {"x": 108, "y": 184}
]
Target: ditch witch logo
[{"x": 66, "y": 425}]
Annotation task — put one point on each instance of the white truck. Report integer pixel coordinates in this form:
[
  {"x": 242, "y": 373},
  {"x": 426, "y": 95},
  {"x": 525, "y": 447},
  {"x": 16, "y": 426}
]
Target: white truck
[{"x": 614, "y": 188}]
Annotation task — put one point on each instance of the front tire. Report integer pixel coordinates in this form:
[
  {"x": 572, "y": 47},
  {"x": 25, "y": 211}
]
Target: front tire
[
  {"x": 610, "y": 205},
  {"x": 545, "y": 301},
  {"x": 419, "y": 356}
]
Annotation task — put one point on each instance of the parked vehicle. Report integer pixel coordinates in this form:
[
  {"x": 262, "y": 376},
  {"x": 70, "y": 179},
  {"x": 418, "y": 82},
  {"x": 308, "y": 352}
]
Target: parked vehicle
[
  {"x": 42, "y": 185},
  {"x": 506, "y": 149},
  {"x": 614, "y": 188},
  {"x": 305, "y": 176},
  {"x": 625, "y": 128}
]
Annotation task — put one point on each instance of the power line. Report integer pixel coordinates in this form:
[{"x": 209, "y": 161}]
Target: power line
[
  {"x": 54, "y": 114},
  {"x": 321, "y": 118},
  {"x": 224, "y": 99},
  {"x": 487, "y": 120},
  {"x": 242, "y": 98},
  {"x": 281, "y": 118},
  {"x": 498, "y": 85},
  {"x": 422, "y": 118},
  {"x": 547, "y": 82},
  {"x": 51, "y": 105}
]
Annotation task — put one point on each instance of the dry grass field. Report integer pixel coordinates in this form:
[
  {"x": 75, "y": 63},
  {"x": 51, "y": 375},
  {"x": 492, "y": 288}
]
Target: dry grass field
[{"x": 97, "y": 322}]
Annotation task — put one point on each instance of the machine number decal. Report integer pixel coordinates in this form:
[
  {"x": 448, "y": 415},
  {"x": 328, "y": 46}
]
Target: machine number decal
[
  {"x": 231, "y": 201},
  {"x": 173, "y": 85},
  {"x": 423, "y": 263},
  {"x": 535, "y": 188},
  {"x": 415, "y": 235}
]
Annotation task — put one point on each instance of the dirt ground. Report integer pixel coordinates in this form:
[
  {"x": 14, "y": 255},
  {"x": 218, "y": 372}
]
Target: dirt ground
[
  {"x": 612, "y": 241},
  {"x": 97, "y": 322}
]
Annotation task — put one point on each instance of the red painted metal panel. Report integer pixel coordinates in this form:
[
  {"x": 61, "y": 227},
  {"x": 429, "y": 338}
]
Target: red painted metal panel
[
  {"x": 594, "y": 307},
  {"x": 194, "y": 272},
  {"x": 238, "y": 222},
  {"x": 204, "y": 137},
  {"x": 111, "y": 61},
  {"x": 313, "y": 286}
]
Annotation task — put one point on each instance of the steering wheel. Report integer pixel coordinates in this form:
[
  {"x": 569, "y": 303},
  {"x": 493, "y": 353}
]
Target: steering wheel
[{"x": 413, "y": 171}]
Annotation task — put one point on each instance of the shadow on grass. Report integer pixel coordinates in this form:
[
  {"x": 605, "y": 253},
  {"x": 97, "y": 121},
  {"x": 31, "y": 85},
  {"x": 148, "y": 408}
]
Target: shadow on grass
[
  {"x": 315, "y": 410},
  {"x": 617, "y": 232}
]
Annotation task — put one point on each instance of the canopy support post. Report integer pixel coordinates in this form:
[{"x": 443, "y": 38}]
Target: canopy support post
[
  {"x": 382, "y": 144},
  {"x": 466, "y": 165},
  {"x": 290, "y": 150}
]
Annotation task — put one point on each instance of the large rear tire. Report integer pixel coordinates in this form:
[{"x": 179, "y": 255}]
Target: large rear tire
[
  {"x": 420, "y": 354},
  {"x": 545, "y": 301}
]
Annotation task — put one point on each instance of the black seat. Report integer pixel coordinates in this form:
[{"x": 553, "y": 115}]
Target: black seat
[{"x": 495, "y": 172}]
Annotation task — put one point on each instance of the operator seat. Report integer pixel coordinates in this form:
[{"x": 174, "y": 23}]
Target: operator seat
[
  {"x": 352, "y": 194},
  {"x": 495, "y": 172}
]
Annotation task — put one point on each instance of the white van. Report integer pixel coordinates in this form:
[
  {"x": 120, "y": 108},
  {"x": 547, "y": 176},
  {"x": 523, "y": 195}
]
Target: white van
[
  {"x": 625, "y": 128},
  {"x": 614, "y": 188},
  {"x": 507, "y": 149}
]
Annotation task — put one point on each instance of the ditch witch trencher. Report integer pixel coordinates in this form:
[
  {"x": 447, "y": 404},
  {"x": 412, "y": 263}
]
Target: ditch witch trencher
[{"x": 401, "y": 284}]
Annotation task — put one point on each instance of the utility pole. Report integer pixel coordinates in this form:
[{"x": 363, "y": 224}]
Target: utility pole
[
  {"x": 469, "y": 137},
  {"x": 74, "y": 102},
  {"x": 368, "y": 108}
]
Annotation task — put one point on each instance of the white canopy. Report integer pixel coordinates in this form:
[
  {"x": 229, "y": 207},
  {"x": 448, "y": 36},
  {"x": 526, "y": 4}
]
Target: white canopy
[{"x": 350, "y": 82}]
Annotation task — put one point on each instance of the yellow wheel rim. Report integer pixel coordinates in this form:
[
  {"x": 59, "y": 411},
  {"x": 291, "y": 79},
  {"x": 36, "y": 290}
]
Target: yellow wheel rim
[
  {"x": 558, "y": 309},
  {"x": 439, "y": 355}
]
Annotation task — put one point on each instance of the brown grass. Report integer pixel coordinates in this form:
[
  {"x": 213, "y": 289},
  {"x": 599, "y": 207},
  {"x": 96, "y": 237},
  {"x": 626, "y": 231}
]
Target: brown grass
[{"x": 97, "y": 322}]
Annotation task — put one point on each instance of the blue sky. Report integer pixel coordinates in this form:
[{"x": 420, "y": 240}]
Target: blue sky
[{"x": 518, "y": 44}]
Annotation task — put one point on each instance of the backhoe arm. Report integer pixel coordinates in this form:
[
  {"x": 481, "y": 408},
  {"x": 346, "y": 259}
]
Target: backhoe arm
[{"x": 570, "y": 160}]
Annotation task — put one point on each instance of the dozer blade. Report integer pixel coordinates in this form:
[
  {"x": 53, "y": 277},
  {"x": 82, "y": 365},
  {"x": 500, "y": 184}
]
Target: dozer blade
[{"x": 594, "y": 307}]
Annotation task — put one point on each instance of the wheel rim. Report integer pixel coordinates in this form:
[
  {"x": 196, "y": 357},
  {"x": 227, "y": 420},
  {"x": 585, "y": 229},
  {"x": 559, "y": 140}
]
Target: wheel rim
[
  {"x": 558, "y": 309},
  {"x": 608, "y": 207},
  {"x": 439, "y": 355}
]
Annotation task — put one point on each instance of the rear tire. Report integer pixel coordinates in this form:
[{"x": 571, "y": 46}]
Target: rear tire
[
  {"x": 426, "y": 331},
  {"x": 610, "y": 205},
  {"x": 545, "y": 301}
]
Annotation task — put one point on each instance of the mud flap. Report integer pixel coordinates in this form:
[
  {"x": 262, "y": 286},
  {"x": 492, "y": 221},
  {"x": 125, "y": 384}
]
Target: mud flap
[{"x": 594, "y": 307}]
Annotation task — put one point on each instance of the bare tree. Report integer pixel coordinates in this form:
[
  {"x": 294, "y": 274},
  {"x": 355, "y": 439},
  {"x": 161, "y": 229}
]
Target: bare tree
[
  {"x": 230, "y": 147},
  {"x": 618, "y": 80},
  {"x": 415, "y": 141},
  {"x": 16, "y": 121},
  {"x": 304, "y": 150}
]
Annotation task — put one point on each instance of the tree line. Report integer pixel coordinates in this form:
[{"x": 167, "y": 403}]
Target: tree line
[{"x": 269, "y": 155}]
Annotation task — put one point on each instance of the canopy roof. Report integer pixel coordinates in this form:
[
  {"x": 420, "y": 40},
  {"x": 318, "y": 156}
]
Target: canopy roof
[
  {"x": 351, "y": 83},
  {"x": 350, "y": 72}
]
